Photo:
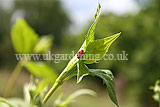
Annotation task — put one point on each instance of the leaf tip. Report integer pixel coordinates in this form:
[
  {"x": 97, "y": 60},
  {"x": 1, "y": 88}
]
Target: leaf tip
[
  {"x": 117, "y": 35},
  {"x": 98, "y": 11},
  {"x": 99, "y": 5}
]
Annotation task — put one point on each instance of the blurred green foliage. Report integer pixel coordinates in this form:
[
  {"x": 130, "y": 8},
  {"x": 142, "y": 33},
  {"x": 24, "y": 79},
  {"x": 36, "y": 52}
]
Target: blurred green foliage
[
  {"x": 24, "y": 38},
  {"x": 44, "y": 16},
  {"x": 140, "y": 39}
]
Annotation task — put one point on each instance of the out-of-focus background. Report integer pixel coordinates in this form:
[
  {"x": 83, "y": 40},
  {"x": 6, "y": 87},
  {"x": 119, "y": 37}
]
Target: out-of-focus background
[{"x": 68, "y": 22}]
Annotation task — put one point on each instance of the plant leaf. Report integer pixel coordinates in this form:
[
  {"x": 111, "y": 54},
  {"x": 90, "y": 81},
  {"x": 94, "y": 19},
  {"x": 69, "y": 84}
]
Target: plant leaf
[
  {"x": 13, "y": 102},
  {"x": 156, "y": 97},
  {"x": 18, "y": 102},
  {"x": 44, "y": 44},
  {"x": 5, "y": 102},
  {"x": 23, "y": 37},
  {"x": 90, "y": 34},
  {"x": 69, "y": 99},
  {"x": 35, "y": 90},
  {"x": 82, "y": 70},
  {"x": 108, "y": 79},
  {"x": 41, "y": 86},
  {"x": 42, "y": 70},
  {"x": 98, "y": 48}
]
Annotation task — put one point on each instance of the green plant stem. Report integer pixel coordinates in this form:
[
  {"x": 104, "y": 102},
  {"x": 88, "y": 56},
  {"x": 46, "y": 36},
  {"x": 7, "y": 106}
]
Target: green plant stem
[
  {"x": 59, "y": 81},
  {"x": 12, "y": 79}
]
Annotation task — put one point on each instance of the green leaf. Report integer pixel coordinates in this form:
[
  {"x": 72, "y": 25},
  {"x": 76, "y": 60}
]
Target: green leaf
[
  {"x": 23, "y": 37},
  {"x": 35, "y": 90},
  {"x": 108, "y": 79},
  {"x": 82, "y": 70},
  {"x": 13, "y": 102},
  {"x": 42, "y": 70},
  {"x": 18, "y": 102},
  {"x": 96, "y": 50},
  {"x": 90, "y": 34},
  {"x": 44, "y": 44},
  {"x": 4, "y": 102},
  {"x": 156, "y": 97},
  {"x": 41, "y": 86},
  {"x": 68, "y": 100}
]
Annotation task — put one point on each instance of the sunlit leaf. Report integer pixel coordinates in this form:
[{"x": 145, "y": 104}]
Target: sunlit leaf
[
  {"x": 156, "y": 97},
  {"x": 44, "y": 44},
  {"x": 68, "y": 100},
  {"x": 42, "y": 70},
  {"x": 41, "y": 86},
  {"x": 90, "y": 34},
  {"x": 5, "y": 103},
  {"x": 35, "y": 90},
  {"x": 24, "y": 37},
  {"x": 98, "y": 48},
  {"x": 13, "y": 102}
]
